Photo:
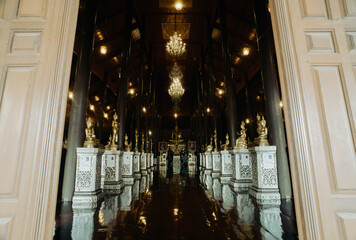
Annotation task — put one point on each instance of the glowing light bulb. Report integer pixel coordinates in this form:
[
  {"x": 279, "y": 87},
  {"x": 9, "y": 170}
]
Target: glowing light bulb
[
  {"x": 247, "y": 121},
  {"x": 106, "y": 115},
  {"x": 175, "y": 115},
  {"x": 70, "y": 95},
  {"x": 179, "y": 6},
  {"x": 245, "y": 51},
  {"x": 92, "y": 107},
  {"x": 144, "y": 109},
  {"x": 103, "y": 50},
  {"x": 208, "y": 110},
  {"x": 281, "y": 104}
]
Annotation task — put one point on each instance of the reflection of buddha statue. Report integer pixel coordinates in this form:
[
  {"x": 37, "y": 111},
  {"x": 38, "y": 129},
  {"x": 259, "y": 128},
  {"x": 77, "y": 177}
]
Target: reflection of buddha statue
[
  {"x": 90, "y": 140},
  {"x": 258, "y": 118},
  {"x": 263, "y": 133},
  {"x": 241, "y": 142},
  {"x": 216, "y": 140},
  {"x": 209, "y": 148},
  {"x": 127, "y": 145},
  {"x": 136, "y": 140},
  {"x": 227, "y": 143}
]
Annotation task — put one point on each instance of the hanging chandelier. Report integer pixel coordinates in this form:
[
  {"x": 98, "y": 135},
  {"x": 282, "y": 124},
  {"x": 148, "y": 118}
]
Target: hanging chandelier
[{"x": 175, "y": 47}]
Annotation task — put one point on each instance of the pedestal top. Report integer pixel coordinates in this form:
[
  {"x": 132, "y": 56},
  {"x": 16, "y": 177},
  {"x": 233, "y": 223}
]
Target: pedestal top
[
  {"x": 113, "y": 152},
  {"x": 82, "y": 150},
  {"x": 263, "y": 148},
  {"x": 240, "y": 151},
  {"x": 226, "y": 151}
]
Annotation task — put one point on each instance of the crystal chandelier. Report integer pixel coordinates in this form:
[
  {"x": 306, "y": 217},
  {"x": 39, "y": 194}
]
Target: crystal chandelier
[
  {"x": 175, "y": 47},
  {"x": 176, "y": 90}
]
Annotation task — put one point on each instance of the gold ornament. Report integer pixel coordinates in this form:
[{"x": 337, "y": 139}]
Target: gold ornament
[
  {"x": 90, "y": 140},
  {"x": 241, "y": 142}
]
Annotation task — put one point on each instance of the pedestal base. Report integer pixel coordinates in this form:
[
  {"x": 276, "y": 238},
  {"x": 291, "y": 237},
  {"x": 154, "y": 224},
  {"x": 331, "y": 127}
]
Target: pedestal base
[
  {"x": 128, "y": 180},
  {"x": 265, "y": 196},
  {"x": 113, "y": 186},
  {"x": 86, "y": 199},
  {"x": 240, "y": 185}
]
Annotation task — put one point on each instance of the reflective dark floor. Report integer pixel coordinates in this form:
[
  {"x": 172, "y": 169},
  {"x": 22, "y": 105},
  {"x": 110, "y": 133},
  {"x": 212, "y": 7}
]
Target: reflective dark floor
[{"x": 175, "y": 206}]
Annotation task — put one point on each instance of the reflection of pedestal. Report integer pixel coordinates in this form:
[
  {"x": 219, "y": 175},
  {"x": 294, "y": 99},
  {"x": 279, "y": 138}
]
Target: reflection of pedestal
[
  {"x": 163, "y": 159},
  {"x": 136, "y": 189},
  {"x": 264, "y": 175},
  {"x": 88, "y": 178},
  {"x": 176, "y": 164},
  {"x": 127, "y": 168},
  {"x": 163, "y": 171},
  {"x": 242, "y": 174},
  {"x": 270, "y": 220},
  {"x": 208, "y": 170},
  {"x": 143, "y": 183},
  {"x": 217, "y": 189},
  {"x": 192, "y": 159},
  {"x": 143, "y": 164},
  {"x": 108, "y": 210},
  {"x": 136, "y": 165},
  {"x": 148, "y": 162},
  {"x": 216, "y": 164},
  {"x": 226, "y": 166},
  {"x": 192, "y": 170},
  {"x": 113, "y": 181},
  {"x": 202, "y": 167},
  {"x": 126, "y": 198},
  {"x": 245, "y": 209},
  {"x": 83, "y": 223},
  {"x": 227, "y": 197}
]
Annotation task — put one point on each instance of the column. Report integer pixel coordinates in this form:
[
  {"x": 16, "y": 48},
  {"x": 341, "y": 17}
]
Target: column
[
  {"x": 271, "y": 87},
  {"x": 230, "y": 89},
  {"x": 122, "y": 96},
  {"x": 76, "y": 129}
]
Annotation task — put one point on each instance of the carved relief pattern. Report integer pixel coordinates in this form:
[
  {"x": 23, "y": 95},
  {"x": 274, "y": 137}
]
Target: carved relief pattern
[
  {"x": 125, "y": 169},
  {"x": 254, "y": 169},
  {"x": 98, "y": 173},
  {"x": 269, "y": 177},
  {"x": 83, "y": 179},
  {"x": 228, "y": 169},
  {"x": 245, "y": 171},
  {"x": 110, "y": 174}
]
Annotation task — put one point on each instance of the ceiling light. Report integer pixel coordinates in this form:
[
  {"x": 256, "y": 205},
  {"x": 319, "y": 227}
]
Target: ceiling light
[
  {"x": 208, "y": 110},
  {"x": 220, "y": 92},
  {"x": 247, "y": 121},
  {"x": 258, "y": 98},
  {"x": 179, "y": 6},
  {"x": 175, "y": 115},
  {"x": 106, "y": 115},
  {"x": 149, "y": 132},
  {"x": 92, "y": 107},
  {"x": 175, "y": 47},
  {"x": 237, "y": 60},
  {"x": 245, "y": 51},
  {"x": 281, "y": 104},
  {"x": 176, "y": 90},
  {"x": 132, "y": 91},
  {"x": 103, "y": 50},
  {"x": 97, "y": 98},
  {"x": 144, "y": 109},
  {"x": 108, "y": 107},
  {"x": 70, "y": 95}
]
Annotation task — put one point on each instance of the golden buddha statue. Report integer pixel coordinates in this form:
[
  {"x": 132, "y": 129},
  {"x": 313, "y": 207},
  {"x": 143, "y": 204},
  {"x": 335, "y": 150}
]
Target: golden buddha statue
[
  {"x": 227, "y": 143},
  {"x": 209, "y": 148},
  {"x": 136, "y": 140},
  {"x": 215, "y": 140},
  {"x": 241, "y": 142},
  {"x": 115, "y": 133},
  {"x": 263, "y": 133},
  {"x": 90, "y": 139}
]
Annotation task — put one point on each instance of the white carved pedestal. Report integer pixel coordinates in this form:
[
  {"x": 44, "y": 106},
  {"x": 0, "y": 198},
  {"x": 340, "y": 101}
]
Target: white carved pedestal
[
  {"x": 202, "y": 167},
  {"x": 83, "y": 223},
  {"x": 143, "y": 165},
  {"x": 216, "y": 164},
  {"x": 163, "y": 159},
  {"x": 242, "y": 174},
  {"x": 208, "y": 170},
  {"x": 264, "y": 175},
  {"x": 136, "y": 165},
  {"x": 192, "y": 160},
  {"x": 88, "y": 178},
  {"x": 127, "y": 168},
  {"x": 126, "y": 198},
  {"x": 227, "y": 168},
  {"x": 151, "y": 163},
  {"x": 112, "y": 169}
]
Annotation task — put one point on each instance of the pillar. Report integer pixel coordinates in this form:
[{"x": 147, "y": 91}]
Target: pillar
[
  {"x": 122, "y": 96},
  {"x": 272, "y": 94},
  {"x": 230, "y": 88},
  {"x": 76, "y": 129}
]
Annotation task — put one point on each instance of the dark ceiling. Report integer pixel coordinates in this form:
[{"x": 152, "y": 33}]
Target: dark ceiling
[{"x": 149, "y": 19}]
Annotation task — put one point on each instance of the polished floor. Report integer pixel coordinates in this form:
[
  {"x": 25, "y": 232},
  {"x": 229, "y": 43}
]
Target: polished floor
[{"x": 171, "y": 205}]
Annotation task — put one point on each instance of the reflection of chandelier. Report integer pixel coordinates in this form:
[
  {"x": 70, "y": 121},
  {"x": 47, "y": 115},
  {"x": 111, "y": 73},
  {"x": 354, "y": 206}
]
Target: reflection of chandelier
[
  {"x": 175, "y": 47},
  {"x": 176, "y": 90}
]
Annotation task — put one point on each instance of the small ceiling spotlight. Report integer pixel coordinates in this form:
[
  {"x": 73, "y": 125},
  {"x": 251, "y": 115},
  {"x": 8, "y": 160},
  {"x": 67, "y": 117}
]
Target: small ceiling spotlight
[
  {"x": 281, "y": 104},
  {"x": 220, "y": 92},
  {"x": 149, "y": 132},
  {"x": 92, "y": 107},
  {"x": 106, "y": 115},
  {"x": 247, "y": 121},
  {"x": 144, "y": 109},
  {"x": 97, "y": 98},
  {"x": 179, "y": 5},
  {"x": 70, "y": 95},
  {"x": 175, "y": 115},
  {"x": 245, "y": 51},
  {"x": 103, "y": 50},
  {"x": 132, "y": 91},
  {"x": 108, "y": 107},
  {"x": 208, "y": 110}
]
